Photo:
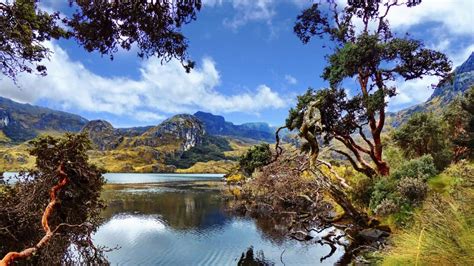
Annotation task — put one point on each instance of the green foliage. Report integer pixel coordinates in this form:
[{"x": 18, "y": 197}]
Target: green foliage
[
  {"x": 383, "y": 189},
  {"x": 102, "y": 26},
  {"x": 394, "y": 156},
  {"x": 24, "y": 202},
  {"x": 339, "y": 116},
  {"x": 460, "y": 118},
  {"x": 370, "y": 49},
  {"x": 257, "y": 156},
  {"x": 23, "y": 30},
  {"x": 422, "y": 168},
  {"x": 424, "y": 134},
  {"x": 456, "y": 174},
  {"x": 362, "y": 190},
  {"x": 405, "y": 188}
]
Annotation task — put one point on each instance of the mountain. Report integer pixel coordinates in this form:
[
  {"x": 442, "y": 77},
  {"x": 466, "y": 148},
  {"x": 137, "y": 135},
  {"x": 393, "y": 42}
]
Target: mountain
[
  {"x": 448, "y": 89},
  {"x": 186, "y": 131},
  {"x": 20, "y": 122},
  {"x": 178, "y": 142},
  {"x": 216, "y": 125},
  {"x": 103, "y": 135},
  {"x": 183, "y": 142}
]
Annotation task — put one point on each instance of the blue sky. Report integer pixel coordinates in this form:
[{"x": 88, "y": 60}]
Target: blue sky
[{"x": 250, "y": 66}]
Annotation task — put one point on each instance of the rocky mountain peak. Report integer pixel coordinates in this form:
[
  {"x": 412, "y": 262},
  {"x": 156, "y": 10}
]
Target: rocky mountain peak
[
  {"x": 97, "y": 126},
  {"x": 467, "y": 66},
  {"x": 102, "y": 134},
  {"x": 185, "y": 129}
]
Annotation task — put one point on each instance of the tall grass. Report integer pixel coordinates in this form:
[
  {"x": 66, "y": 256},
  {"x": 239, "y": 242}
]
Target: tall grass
[{"x": 442, "y": 234}]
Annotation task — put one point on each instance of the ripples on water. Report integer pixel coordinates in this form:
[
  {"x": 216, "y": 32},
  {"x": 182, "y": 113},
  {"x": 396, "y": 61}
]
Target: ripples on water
[{"x": 157, "y": 224}]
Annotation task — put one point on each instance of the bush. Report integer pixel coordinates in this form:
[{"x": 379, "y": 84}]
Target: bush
[
  {"x": 394, "y": 156},
  {"x": 384, "y": 188},
  {"x": 257, "y": 156},
  {"x": 362, "y": 191},
  {"x": 412, "y": 189},
  {"x": 386, "y": 207},
  {"x": 422, "y": 168}
]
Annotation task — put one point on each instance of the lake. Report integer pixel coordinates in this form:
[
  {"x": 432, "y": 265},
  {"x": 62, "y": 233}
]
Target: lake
[{"x": 173, "y": 219}]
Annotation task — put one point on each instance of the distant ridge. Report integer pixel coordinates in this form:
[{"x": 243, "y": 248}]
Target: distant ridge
[
  {"x": 217, "y": 125},
  {"x": 20, "y": 122}
]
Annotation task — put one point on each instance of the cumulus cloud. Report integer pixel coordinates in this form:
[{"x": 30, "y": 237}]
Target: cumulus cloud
[
  {"x": 454, "y": 15},
  {"x": 290, "y": 79},
  {"x": 246, "y": 11},
  {"x": 159, "y": 89},
  {"x": 413, "y": 91}
]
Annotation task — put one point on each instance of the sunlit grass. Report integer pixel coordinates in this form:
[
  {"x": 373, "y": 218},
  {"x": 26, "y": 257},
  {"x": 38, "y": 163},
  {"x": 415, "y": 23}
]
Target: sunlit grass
[{"x": 442, "y": 232}]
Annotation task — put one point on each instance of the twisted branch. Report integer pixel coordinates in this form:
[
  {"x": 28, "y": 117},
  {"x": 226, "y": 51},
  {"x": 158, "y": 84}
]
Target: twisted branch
[{"x": 11, "y": 256}]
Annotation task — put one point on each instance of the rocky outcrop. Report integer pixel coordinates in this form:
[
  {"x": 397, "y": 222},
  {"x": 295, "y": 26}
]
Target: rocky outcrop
[
  {"x": 102, "y": 134},
  {"x": 185, "y": 131},
  {"x": 178, "y": 133}
]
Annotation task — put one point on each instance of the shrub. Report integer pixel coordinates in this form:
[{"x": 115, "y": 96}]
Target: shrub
[
  {"x": 383, "y": 188},
  {"x": 412, "y": 189},
  {"x": 386, "y": 207},
  {"x": 422, "y": 167},
  {"x": 394, "y": 156},
  {"x": 462, "y": 170},
  {"x": 257, "y": 156},
  {"x": 362, "y": 191}
]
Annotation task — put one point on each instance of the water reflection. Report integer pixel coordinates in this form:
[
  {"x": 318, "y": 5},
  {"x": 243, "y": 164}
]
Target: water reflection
[
  {"x": 181, "y": 209},
  {"x": 248, "y": 258},
  {"x": 177, "y": 224}
]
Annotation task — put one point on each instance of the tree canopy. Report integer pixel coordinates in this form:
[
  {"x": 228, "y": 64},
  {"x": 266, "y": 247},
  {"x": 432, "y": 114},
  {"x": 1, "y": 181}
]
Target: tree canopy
[
  {"x": 370, "y": 53},
  {"x": 102, "y": 26},
  {"x": 424, "y": 134},
  {"x": 460, "y": 119}
]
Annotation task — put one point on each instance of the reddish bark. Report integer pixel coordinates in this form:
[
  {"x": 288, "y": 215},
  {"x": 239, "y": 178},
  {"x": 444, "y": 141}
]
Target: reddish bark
[{"x": 28, "y": 252}]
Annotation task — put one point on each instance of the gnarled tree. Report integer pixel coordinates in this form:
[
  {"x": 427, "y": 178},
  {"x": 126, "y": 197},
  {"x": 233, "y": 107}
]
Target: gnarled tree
[
  {"x": 48, "y": 216},
  {"x": 103, "y": 26},
  {"x": 370, "y": 53}
]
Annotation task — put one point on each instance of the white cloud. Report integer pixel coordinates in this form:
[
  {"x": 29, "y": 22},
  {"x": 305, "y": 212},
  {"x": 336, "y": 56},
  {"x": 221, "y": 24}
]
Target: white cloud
[
  {"x": 246, "y": 11},
  {"x": 413, "y": 91},
  {"x": 159, "y": 89},
  {"x": 290, "y": 79},
  {"x": 457, "y": 16}
]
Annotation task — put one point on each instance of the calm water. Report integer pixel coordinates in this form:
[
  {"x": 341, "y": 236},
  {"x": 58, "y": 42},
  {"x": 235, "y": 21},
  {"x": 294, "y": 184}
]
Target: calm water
[{"x": 159, "y": 219}]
